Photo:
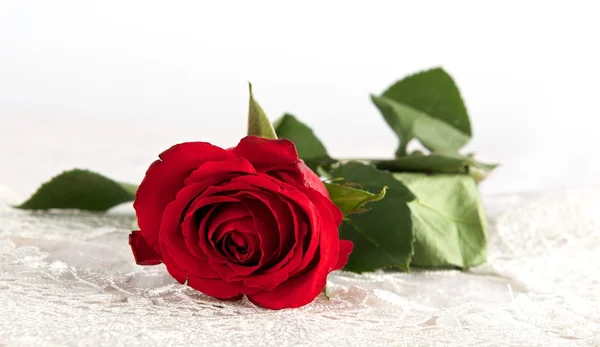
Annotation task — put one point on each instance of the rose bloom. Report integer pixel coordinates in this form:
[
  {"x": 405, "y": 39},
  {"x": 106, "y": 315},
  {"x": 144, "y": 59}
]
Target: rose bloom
[{"x": 253, "y": 220}]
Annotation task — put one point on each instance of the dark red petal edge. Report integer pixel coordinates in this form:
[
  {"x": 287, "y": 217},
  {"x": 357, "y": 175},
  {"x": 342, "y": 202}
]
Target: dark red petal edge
[
  {"x": 142, "y": 252},
  {"x": 346, "y": 247}
]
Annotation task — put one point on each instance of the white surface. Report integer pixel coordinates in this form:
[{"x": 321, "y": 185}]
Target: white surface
[
  {"x": 69, "y": 279},
  {"x": 528, "y": 72}
]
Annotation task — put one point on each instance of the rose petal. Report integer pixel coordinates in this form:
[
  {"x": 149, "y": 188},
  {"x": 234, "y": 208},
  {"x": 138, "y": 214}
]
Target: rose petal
[
  {"x": 205, "y": 232},
  {"x": 213, "y": 287},
  {"x": 212, "y": 220},
  {"x": 345, "y": 250},
  {"x": 298, "y": 174},
  {"x": 292, "y": 258},
  {"x": 216, "y": 169},
  {"x": 265, "y": 153},
  {"x": 219, "y": 288},
  {"x": 312, "y": 180},
  {"x": 238, "y": 297},
  {"x": 164, "y": 179},
  {"x": 191, "y": 230},
  {"x": 237, "y": 227},
  {"x": 241, "y": 230},
  {"x": 194, "y": 231},
  {"x": 178, "y": 273},
  {"x": 325, "y": 203},
  {"x": 142, "y": 252},
  {"x": 223, "y": 214},
  {"x": 265, "y": 225},
  {"x": 243, "y": 183},
  {"x": 312, "y": 213},
  {"x": 209, "y": 225},
  {"x": 283, "y": 217}
]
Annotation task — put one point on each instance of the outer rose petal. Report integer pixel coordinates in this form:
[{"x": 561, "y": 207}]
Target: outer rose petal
[
  {"x": 311, "y": 180},
  {"x": 165, "y": 178},
  {"x": 299, "y": 174},
  {"x": 208, "y": 171},
  {"x": 208, "y": 288},
  {"x": 264, "y": 153},
  {"x": 302, "y": 178},
  {"x": 337, "y": 214},
  {"x": 219, "y": 288},
  {"x": 142, "y": 252},
  {"x": 179, "y": 274},
  {"x": 345, "y": 250}
]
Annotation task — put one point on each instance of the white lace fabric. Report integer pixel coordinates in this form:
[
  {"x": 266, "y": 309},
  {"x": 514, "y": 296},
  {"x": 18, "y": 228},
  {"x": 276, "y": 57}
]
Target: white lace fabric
[{"x": 69, "y": 279}]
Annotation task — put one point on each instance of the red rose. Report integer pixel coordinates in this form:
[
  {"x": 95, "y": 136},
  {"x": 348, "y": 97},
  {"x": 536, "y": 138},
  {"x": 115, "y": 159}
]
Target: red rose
[{"x": 253, "y": 220}]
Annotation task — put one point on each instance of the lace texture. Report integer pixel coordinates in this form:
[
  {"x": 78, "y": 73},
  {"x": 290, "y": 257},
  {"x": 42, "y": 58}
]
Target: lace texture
[{"x": 68, "y": 279}]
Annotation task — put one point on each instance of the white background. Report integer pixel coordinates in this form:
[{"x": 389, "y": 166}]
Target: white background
[{"x": 107, "y": 85}]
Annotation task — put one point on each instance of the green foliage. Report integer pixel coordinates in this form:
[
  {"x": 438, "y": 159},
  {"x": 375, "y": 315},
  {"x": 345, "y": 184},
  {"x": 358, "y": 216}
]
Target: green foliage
[
  {"x": 433, "y": 92},
  {"x": 79, "y": 189},
  {"x": 426, "y": 106},
  {"x": 448, "y": 220},
  {"x": 383, "y": 236}
]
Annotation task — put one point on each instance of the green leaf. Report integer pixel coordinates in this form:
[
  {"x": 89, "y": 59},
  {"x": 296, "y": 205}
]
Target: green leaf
[
  {"x": 438, "y": 163},
  {"x": 351, "y": 200},
  {"x": 409, "y": 123},
  {"x": 80, "y": 189},
  {"x": 382, "y": 236},
  {"x": 448, "y": 221},
  {"x": 434, "y": 93},
  {"x": 258, "y": 122}
]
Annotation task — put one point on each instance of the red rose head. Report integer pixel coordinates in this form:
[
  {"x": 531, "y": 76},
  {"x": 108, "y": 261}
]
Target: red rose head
[{"x": 253, "y": 220}]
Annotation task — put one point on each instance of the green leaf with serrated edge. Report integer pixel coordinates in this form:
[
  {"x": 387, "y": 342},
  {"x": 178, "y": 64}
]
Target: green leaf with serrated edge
[
  {"x": 351, "y": 200},
  {"x": 79, "y": 189},
  {"x": 383, "y": 235},
  {"x": 258, "y": 122},
  {"x": 438, "y": 163},
  {"x": 409, "y": 123},
  {"x": 307, "y": 144},
  {"x": 448, "y": 220},
  {"x": 434, "y": 93}
]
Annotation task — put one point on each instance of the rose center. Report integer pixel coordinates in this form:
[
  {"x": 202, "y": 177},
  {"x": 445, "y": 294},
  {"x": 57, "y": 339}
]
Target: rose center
[{"x": 237, "y": 246}]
